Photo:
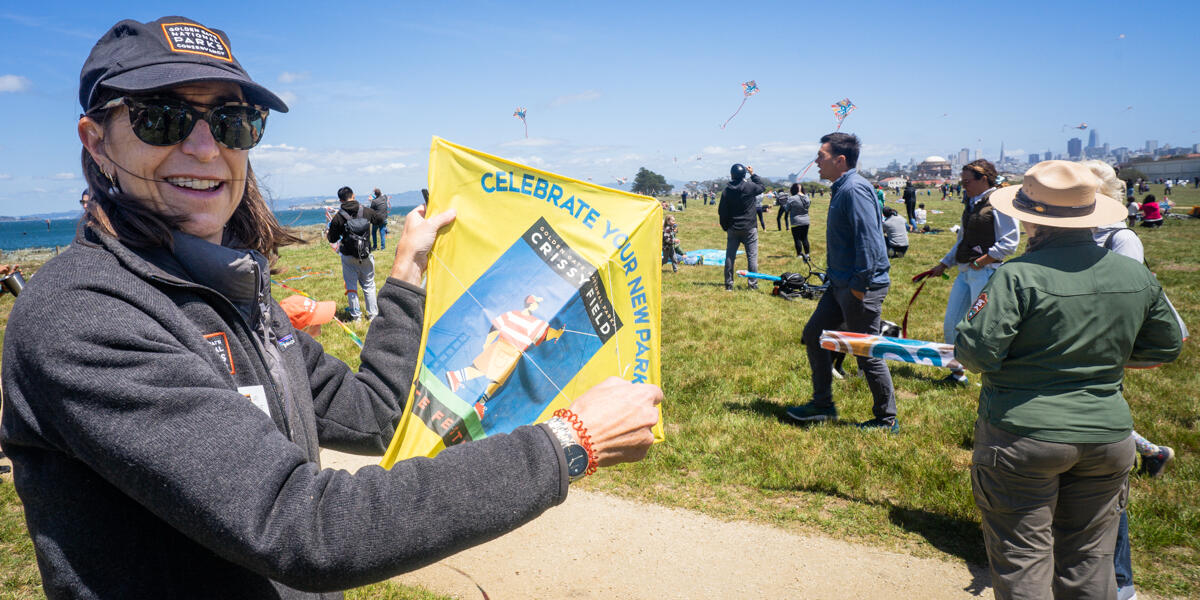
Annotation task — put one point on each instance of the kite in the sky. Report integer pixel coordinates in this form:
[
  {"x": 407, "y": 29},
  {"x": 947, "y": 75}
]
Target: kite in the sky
[
  {"x": 520, "y": 114},
  {"x": 1080, "y": 126},
  {"x": 842, "y": 109},
  {"x": 749, "y": 88},
  {"x": 622, "y": 180}
]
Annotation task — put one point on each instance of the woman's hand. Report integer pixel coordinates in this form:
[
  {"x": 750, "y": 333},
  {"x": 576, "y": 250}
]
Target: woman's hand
[
  {"x": 412, "y": 252},
  {"x": 618, "y": 416}
]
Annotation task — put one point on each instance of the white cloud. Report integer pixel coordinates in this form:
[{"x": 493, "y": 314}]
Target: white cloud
[
  {"x": 535, "y": 161},
  {"x": 284, "y": 159},
  {"x": 5, "y": 176},
  {"x": 289, "y": 98},
  {"x": 586, "y": 96},
  {"x": 14, "y": 83},
  {"x": 376, "y": 169},
  {"x": 63, "y": 176},
  {"x": 531, "y": 143},
  {"x": 289, "y": 77}
]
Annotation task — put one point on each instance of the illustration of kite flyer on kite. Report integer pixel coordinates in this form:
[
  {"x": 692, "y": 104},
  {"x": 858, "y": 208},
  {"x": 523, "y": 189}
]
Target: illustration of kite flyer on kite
[{"x": 512, "y": 333}]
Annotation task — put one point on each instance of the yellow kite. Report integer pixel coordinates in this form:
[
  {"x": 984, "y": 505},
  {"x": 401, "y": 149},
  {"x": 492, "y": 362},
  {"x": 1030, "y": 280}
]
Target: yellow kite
[{"x": 542, "y": 287}]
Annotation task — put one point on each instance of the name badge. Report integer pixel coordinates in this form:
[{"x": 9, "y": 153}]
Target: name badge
[{"x": 257, "y": 396}]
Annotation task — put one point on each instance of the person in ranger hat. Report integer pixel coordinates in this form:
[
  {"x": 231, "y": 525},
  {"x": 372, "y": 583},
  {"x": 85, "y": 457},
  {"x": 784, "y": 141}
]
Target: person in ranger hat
[
  {"x": 1050, "y": 333},
  {"x": 163, "y": 416}
]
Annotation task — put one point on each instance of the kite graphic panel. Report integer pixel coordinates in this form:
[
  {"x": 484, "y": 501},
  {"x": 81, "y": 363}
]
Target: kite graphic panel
[{"x": 543, "y": 287}]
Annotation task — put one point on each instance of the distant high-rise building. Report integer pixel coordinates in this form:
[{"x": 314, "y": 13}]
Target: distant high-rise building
[
  {"x": 1001, "y": 152},
  {"x": 1151, "y": 145},
  {"x": 1048, "y": 155},
  {"x": 1093, "y": 139},
  {"x": 964, "y": 156},
  {"x": 1074, "y": 148},
  {"x": 1034, "y": 158}
]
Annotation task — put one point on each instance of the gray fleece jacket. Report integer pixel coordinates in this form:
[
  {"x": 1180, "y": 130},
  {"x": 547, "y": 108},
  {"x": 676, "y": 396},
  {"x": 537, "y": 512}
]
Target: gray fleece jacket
[{"x": 158, "y": 457}]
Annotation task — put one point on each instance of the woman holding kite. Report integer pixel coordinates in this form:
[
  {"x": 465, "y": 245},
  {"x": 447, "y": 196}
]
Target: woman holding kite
[{"x": 162, "y": 415}]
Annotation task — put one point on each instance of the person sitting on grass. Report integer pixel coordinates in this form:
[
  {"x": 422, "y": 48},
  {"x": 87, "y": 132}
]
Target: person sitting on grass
[
  {"x": 895, "y": 233},
  {"x": 1151, "y": 213}
]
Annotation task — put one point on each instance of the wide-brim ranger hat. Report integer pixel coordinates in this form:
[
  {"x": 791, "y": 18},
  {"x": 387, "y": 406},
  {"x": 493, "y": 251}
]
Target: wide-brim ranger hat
[
  {"x": 1059, "y": 193},
  {"x": 135, "y": 58}
]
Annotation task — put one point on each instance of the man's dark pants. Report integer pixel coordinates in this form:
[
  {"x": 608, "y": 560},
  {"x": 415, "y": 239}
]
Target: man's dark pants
[
  {"x": 838, "y": 309},
  {"x": 747, "y": 238}
]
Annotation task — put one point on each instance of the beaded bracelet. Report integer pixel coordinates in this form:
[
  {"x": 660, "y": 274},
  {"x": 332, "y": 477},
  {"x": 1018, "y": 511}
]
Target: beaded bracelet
[{"x": 585, "y": 440}]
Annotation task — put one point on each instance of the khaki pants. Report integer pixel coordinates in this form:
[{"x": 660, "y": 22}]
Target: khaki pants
[{"x": 1050, "y": 512}]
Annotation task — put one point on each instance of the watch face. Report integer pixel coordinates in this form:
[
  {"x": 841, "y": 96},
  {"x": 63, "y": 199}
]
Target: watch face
[{"x": 577, "y": 460}]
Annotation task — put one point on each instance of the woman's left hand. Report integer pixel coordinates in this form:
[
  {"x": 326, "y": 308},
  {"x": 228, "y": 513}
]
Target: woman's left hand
[{"x": 412, "y": 253}]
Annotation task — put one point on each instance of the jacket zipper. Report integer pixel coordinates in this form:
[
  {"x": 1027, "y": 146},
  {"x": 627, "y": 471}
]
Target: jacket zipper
[{"x": 255, "y": 342}]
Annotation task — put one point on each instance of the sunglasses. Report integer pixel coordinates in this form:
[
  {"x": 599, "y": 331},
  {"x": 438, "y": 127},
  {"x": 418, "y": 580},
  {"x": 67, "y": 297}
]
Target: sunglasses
[{"x": 168, "y": 121}]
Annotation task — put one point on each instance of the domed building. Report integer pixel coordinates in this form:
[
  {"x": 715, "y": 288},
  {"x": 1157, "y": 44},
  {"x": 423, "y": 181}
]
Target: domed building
[{"x": 934, "y": 167}]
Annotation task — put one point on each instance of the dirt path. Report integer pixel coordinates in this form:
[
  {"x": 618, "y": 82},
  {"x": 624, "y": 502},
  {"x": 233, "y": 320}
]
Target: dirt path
[{"x": 598, "y": 546}]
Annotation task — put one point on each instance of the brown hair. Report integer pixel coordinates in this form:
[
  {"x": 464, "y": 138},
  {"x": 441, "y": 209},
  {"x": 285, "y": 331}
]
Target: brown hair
[
  {"x": 113, "y": 212},
  {"x": 983, "y": 169}
]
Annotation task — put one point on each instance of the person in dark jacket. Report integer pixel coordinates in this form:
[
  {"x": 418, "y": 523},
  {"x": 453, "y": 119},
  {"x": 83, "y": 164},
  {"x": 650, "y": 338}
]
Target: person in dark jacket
[
  {"x": 737, "y": 212},
  {"x": 381, "y": 204},
  {"x": 356, "y": 271},
  {"x": 162, "y": 414},
  {"x": 910, "y": 205}
]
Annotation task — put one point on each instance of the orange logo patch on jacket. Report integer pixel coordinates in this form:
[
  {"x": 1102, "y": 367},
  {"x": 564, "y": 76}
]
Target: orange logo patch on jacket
[{"x": 220, "y": 344}]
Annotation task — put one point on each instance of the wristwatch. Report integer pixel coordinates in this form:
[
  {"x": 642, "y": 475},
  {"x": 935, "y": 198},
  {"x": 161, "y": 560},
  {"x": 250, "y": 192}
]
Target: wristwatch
[{"x": 577, "y": 456}]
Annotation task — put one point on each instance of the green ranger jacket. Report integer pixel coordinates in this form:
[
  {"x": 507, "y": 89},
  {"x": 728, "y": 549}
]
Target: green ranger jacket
[{"x": 1051, "y": 333}]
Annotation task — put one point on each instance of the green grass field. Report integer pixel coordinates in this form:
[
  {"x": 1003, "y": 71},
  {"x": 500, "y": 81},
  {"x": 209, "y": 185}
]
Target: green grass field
[{"x": 732, "y": 363}]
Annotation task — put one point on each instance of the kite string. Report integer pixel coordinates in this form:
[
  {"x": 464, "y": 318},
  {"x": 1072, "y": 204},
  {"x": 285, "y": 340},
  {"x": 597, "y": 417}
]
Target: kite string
[
  {"x": 616, "y": 334},
  {"x": 485, "y": 312},
  {"x": 739, "y": 109}
]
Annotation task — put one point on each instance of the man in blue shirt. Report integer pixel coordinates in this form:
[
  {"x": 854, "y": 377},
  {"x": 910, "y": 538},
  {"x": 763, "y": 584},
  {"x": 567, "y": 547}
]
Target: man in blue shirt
[{"x": 858, "y": 282}]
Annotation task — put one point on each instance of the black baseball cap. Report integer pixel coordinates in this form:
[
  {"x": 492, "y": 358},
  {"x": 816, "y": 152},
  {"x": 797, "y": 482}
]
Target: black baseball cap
[{"x": 136, "y": 57}]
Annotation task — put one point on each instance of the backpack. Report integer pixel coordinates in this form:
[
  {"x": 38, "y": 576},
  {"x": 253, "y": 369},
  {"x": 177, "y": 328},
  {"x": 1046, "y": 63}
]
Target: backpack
[{"x": 355, "y": 235}]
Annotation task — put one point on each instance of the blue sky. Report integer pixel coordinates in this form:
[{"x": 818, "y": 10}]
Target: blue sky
[{"x": 613, "y": 86}]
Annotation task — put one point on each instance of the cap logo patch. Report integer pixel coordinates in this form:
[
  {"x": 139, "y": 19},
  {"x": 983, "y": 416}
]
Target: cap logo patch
[
  {"x": 196, "y": 39},
  {"x": 980, "y": 302}
]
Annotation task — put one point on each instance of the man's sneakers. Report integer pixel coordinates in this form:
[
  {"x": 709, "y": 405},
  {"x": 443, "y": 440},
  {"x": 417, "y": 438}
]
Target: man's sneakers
[
  {"x": 1152, "y": 466},
  {"x": 454, "y": 378},
  {"x": 811, "y": 413},
  {"x": 892, "y": 426},
  {"x": 954, "y": 379},
  {"x": 838, "y": 373}
]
